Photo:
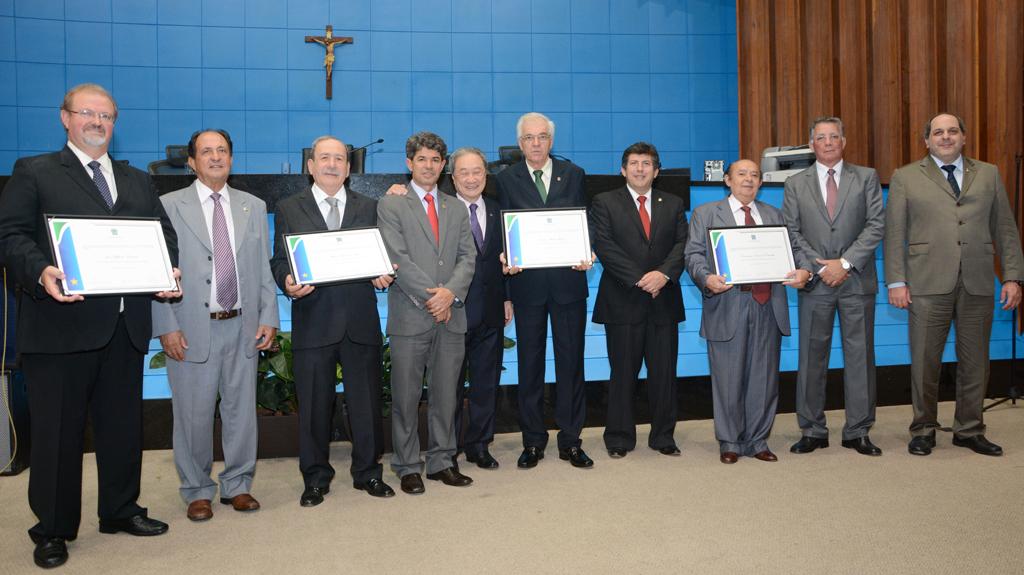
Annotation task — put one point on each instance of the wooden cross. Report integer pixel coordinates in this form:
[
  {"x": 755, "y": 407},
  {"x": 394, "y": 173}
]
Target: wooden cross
[{"x": 328, "y": 41}]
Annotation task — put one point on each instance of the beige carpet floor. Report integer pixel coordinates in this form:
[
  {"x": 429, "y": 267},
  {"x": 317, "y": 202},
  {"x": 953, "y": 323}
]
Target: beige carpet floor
[{"x": 832, "y": 511}]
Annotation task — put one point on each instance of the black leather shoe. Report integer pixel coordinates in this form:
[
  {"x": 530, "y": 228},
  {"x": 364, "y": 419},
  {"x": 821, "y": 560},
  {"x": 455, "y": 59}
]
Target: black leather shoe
[
  {"x": 137, "y": 525},
  {"x": 530, "y": 457},
  {"x": 808, "y": 444},
  {"x": 50, "y": 552},
  {"x": 313, "y": 496},
  {"x": 375, "y": 487},
  {"x": 450, "y": 476},
  {"x": 863, "y": 446},
  {"x": 921, "y": 445},
  {"x": 670, "y": 450},
  {"x": 483, "y": 460},
  {"x": 978, "y": 444},
  {"x": 615, "y": 452},
  {"x": 576, "y": 456},
  {"x": 413, "y": 484}
]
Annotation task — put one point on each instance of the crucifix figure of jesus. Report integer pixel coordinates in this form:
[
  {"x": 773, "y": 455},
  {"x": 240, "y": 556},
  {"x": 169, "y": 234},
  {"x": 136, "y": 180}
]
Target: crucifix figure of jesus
[{"x": 328, "y": 41}]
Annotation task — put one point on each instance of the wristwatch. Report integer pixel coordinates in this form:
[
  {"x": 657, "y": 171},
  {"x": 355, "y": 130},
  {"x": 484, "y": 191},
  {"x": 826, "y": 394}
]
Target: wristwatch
[{"x": 846, "y": 265}]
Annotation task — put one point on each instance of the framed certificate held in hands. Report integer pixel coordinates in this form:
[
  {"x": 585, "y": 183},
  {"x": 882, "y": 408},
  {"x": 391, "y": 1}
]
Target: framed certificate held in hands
[
  {"x": 751, "y": 254},
  {"x": 558, "y": 238},
  {"x": 337, "y": 256},
  {"x": 110, "y": 255}
]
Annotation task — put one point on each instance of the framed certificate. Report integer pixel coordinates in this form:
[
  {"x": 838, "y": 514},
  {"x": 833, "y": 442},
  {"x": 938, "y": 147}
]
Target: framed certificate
[
  {"x": 556, "y": 238},
  {"x": 110, "y": 255},
  {"x": 337, "y": 256},
  {"x": 751, "y": 254}
]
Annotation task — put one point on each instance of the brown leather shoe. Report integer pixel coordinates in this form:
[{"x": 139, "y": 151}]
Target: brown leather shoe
[
  {"x": 765, "y": 455},
  {"x": 243, "y": 502},
  {"x": 729, "y": 457},
  {"x": 199, "y": 510}
]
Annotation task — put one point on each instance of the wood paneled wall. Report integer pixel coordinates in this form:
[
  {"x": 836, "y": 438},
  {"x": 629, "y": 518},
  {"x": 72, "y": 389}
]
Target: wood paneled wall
[{"x": 885, "y": 67}]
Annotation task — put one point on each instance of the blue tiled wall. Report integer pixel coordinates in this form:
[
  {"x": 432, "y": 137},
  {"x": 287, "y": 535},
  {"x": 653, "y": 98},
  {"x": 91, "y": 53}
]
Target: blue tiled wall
[
  {"x": 609, "y": 72},
  {"x": 892, "y": 346}
]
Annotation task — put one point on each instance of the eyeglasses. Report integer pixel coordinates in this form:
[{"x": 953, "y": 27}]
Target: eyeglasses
[
  {"x": 531, "y": 138},
  {"x": 91, "y": 115}
]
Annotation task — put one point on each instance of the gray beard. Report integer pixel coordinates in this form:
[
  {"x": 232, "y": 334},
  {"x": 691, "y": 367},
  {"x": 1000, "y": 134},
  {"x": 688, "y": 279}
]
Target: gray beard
[{"x": 93, "y": 140}]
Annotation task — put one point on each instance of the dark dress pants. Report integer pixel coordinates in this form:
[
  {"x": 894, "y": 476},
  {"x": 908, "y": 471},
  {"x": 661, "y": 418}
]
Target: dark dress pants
[
  {"x": 568, "y": 324},
  {"x": 483, "y": 359},
  {"x": 629, "y": 347},
  {"x": 315, "y": 380},
  {"x": 63, "y": 389}
]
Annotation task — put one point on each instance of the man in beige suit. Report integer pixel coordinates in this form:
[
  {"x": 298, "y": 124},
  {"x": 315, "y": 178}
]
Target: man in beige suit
[{"x": 947, "y": 216}]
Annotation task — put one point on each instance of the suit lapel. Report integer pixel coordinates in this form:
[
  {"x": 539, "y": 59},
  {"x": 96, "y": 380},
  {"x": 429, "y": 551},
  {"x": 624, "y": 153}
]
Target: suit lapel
[
  {"x": 723, "y": 215},
  {"x": 522, "y": 171},
  {"x": 629, "y": 207},
  {"x": 240, "y": 212},
  {"x": 308, "y": 205},
  {"x": 349, "y": 215},
  {"x": 78, "y": 173},
  {"x": 969, "y": 173},
  {"x": 658, "y": 214},
  {"x": 845, "y": 185},
  {"x": 813, "y": 187},
  {"x": 419, "y": 211},
  {"x": 493, "y": 224},
  {"x": 192, "y": 214},
  {"x": 936, "y": 175},
  {"x": 557, "y": 174}
]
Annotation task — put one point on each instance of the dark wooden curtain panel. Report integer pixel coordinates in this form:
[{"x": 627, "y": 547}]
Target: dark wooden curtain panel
[{"x": 885, "y": 67}]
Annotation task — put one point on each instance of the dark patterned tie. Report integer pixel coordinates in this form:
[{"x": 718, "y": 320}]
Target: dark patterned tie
[
  {"x": 952, "y": 180},
  {"x": 101, "y": 183},
  {"x": 223, "y": 258},
  {"x": 474, "y": 226},
  {"x": 761, "y": 292}
]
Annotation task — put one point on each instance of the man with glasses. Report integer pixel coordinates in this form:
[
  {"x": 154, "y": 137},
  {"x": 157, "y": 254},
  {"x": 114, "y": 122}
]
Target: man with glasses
[
  {"x": 82, "y": 356},
  {"x": 541, "y": 182}
]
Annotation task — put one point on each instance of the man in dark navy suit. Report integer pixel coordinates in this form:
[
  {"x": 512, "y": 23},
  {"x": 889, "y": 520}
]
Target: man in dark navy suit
[
  {"x": 488, "y": 310},
  {"x": 81, "y": 356},
  {"x": 540, "y": 182}
]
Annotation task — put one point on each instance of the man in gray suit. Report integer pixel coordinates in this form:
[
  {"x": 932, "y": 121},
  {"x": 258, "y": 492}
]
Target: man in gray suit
[
  {"x": 744, "y": 324},
  {"x": 946, "y": 218},
  {"x": 835, "y": 215},
  {"x": 212, "y": 334},
  {"x": 428, "y": 237}
]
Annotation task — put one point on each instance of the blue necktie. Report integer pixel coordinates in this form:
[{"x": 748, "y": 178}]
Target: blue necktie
[{"x": 101, "y": 183}]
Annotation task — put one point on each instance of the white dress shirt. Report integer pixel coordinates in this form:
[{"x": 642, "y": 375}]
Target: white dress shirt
[
  {"x": 737, "y": 213},
  {"x": 206, "y": 202},
  {"x": 105, "y": 167},
  {"x": 321, "y": 196},
  {"x": 823, "y": 178},
  {"x": 481, "y": 213}
]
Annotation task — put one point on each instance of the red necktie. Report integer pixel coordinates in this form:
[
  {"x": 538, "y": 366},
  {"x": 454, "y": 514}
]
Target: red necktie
[
  {"x": 432, "y": 216},
  {"x": 761, "y": 292},
  {"x": 645, "y": 220}
]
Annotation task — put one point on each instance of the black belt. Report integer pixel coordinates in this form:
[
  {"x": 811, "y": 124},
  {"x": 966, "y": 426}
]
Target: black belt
[
  {"x": 226, "y": 314},
  {"x": 744, "y": 287}
]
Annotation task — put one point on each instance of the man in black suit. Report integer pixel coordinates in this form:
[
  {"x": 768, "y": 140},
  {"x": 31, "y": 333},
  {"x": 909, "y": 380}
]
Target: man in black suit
[
  {"x": 333, "y": 324},
  {"x": 81, "y": 356},
  {"x": 640, "y": 235},
  {"x": 540, "y": 182},
  {"x": 488, "y": 310}
]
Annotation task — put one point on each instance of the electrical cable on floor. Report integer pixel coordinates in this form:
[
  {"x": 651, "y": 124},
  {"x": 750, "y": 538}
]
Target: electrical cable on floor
[{"x": 4, "y": 383}]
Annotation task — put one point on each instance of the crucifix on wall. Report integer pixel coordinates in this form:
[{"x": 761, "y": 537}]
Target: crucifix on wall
[{"x": 328, "y": 41}]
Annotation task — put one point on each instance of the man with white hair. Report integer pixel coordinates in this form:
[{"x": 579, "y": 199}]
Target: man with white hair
[{"x": 541, "y": 182}]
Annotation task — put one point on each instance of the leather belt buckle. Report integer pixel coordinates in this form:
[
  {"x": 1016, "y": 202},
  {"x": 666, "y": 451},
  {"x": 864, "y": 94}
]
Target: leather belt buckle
[{"x": 218, "y": 315}]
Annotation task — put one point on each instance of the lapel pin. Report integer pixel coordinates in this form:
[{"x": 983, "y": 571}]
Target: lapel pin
[{"x": 558, "y": 179}]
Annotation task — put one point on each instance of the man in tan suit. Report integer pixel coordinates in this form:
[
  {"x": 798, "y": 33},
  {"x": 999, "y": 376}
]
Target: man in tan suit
[{"x": 947, "y": 216}]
